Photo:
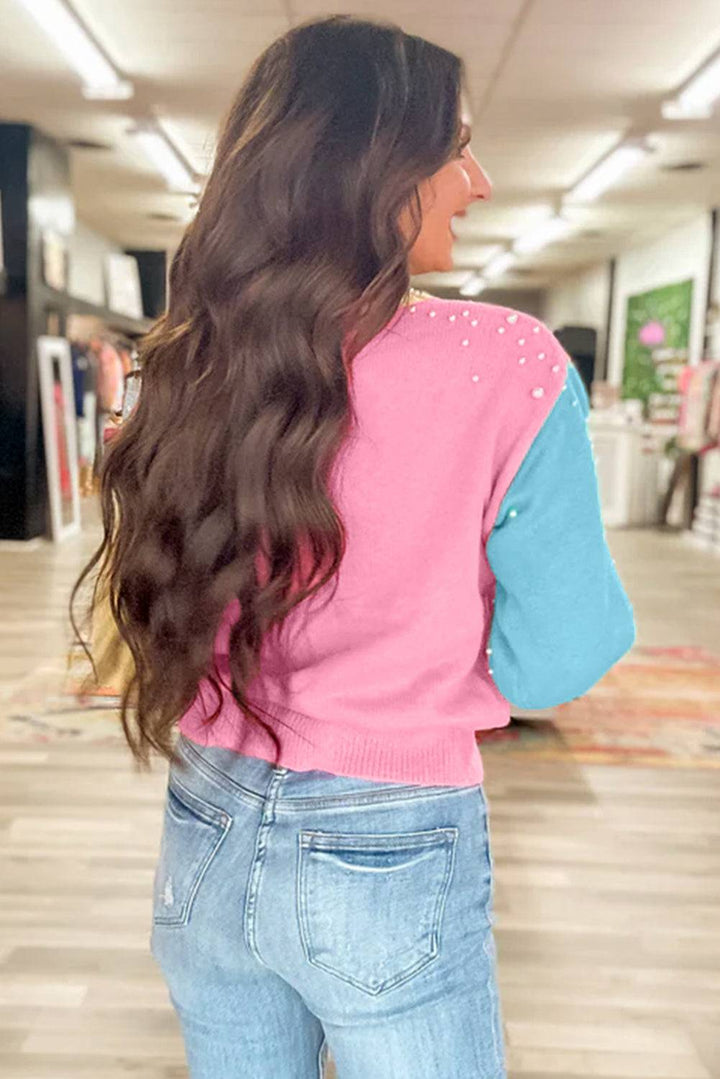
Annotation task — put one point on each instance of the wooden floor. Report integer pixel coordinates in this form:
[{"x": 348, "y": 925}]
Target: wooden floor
[{"x": 607, "y": 878}]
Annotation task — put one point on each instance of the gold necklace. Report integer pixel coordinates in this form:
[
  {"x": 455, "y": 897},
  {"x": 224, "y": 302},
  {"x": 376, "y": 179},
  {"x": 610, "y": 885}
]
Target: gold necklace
[{"x": 415, "y": 295}]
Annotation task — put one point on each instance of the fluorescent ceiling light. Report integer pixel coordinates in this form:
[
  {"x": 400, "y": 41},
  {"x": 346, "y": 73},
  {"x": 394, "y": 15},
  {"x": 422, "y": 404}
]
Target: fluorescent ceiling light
[
  {"x": 697, "y": 99},
  {"x": 59, "y": 21},
  {"x": 193, "y": 205},
  {"x": 545, "y": 233},
  {"x": 498, "y": 265},
  {"x": 473, "y": 285},
  {"x": 195, "y": 159},
  {"x": 162, "y": 154},
  {"x": 608, "y": 170}
]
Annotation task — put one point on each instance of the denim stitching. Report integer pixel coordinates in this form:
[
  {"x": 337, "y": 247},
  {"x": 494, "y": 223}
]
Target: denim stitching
[
  {"x": 450, "y": 836},
  {"x": 215, "y": 775},
  {"x": 291, "y": 804},
  {"x": 215, "y": 818},
  {"x": 257, "y": 865}
]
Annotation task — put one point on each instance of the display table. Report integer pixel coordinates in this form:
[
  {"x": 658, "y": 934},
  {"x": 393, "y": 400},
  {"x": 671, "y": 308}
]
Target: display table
[{"x": 631, "y": 466}]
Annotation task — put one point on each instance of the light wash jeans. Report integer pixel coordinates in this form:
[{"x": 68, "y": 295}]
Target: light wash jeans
[{"x": 296, "y": 912}]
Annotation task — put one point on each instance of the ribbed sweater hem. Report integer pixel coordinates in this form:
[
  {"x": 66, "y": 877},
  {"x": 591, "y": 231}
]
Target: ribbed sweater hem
[{"x": 437, "y": 756}]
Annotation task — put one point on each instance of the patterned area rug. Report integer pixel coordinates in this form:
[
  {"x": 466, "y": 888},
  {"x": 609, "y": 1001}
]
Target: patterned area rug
[
  {"x": 45, "y": 707},
  {"x": 658, "y": 706}
]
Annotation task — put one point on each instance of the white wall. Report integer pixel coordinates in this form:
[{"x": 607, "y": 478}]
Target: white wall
[
  {"x": 87, "y": 255},
  {"x": 676, "y": 256},
  {"x": 581, "y": 300}
]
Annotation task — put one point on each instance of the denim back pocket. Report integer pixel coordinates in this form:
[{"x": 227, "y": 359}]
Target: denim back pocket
[
  {"x": 193, "y": 831},
  {"x": 371, "y": 906}
]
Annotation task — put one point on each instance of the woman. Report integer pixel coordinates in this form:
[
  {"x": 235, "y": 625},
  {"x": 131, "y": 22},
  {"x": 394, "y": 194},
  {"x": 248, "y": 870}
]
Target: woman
[{"x": 309, "y": 429}]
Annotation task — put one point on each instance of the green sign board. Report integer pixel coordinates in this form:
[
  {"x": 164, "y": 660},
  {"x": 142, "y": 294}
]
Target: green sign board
[{"x": 657, "y": 339}]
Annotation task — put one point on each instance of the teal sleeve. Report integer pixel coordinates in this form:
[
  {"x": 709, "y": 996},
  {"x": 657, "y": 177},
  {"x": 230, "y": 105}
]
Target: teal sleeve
[{"x": 562, "y": 618}]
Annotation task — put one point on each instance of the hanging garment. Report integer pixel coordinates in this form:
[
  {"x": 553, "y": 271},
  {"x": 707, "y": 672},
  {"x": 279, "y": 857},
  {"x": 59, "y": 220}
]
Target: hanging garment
[{"x": 111, "y": 377}]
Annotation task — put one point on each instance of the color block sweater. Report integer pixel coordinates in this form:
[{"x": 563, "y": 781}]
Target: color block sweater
[{"x": 476, "y": 574}]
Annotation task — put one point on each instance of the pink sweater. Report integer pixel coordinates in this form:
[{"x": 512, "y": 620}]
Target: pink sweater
[{"x": 390, "y": 680}]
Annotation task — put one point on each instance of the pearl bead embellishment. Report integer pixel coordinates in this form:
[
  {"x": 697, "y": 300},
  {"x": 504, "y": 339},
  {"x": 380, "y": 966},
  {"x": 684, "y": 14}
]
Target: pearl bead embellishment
[
  {"x": 512, "y": 513},
  {"x": 489, "y": 651},
  {"x": 511, "y": 320},
  {"x": 490, "y": 670}
]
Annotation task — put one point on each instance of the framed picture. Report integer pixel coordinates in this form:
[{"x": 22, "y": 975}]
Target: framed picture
[
  {"x": 122, "y": 278},
  {"x": 59, "y": 435},
  {"x": 54, "y": 260}
]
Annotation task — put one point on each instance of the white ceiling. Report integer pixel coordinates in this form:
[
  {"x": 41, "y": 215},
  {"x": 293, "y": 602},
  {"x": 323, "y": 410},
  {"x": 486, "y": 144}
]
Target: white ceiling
[{"x": 553, "y": 85}]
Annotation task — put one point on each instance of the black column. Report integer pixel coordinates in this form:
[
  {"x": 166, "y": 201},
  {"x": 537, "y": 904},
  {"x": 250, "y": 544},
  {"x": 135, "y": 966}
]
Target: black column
[
  {"x": 36, "y": 194},
  {"x": 152, "y": 269}
]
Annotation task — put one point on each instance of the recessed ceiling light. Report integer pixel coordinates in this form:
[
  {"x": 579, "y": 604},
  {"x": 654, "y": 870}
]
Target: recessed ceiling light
[
  {"x": 87, "y": 144},
  {"x": 685, "y": 166},
  {"x": 159, "y": 216}
]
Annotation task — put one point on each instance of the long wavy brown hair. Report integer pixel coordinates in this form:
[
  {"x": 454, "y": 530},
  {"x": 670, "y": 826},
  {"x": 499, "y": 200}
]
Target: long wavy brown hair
[{"x": 293, "y": 262}]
